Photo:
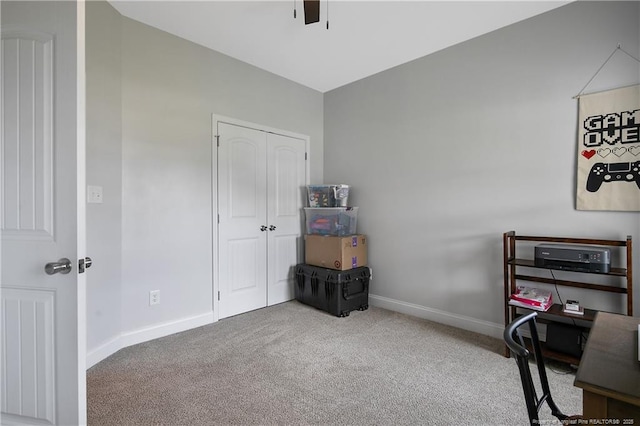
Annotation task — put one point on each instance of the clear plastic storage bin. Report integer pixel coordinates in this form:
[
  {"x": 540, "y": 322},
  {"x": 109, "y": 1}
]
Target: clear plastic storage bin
[
  {"x": 328, "y": 195},
  {"x": 331, "y": 220}
]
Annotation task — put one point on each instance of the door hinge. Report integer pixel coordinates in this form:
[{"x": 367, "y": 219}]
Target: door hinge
[
  {"x": 218, "y": 218},
  {"x": 305, "y": 156},
  {"x": 217, "y": 140},
  {"x": 218, "y": 296}
]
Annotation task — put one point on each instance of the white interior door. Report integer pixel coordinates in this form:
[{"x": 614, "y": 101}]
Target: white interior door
[
  {"x": 286, "y": 178},
  {"x": 42, "y": 362},
  {"x": 242, "y": 227},
  {"x": 261, "y": 178}
]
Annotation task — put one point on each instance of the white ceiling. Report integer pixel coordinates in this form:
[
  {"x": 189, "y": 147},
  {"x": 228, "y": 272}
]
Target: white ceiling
[{"x": 364, "y": 36}]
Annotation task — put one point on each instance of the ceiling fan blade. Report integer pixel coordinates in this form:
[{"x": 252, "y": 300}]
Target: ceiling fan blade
[{"x": 311, "y": 11}]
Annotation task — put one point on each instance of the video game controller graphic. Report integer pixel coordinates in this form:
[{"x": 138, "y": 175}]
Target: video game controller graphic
[{"x": 612, "y": 172}]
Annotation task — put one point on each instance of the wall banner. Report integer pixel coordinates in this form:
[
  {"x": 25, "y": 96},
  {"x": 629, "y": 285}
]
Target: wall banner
[{"x": 608, "y": 167}]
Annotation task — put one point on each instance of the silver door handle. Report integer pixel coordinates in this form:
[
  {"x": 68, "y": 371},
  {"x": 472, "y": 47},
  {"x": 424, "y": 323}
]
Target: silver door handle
[
  {"x": 62, "y": 266},
  {"x": 272, "y": 228},
  {"x": 263, "y": 228}
]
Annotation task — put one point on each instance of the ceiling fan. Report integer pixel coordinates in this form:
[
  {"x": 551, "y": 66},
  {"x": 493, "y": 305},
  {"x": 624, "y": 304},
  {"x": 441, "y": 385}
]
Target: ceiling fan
[{"x": 311, "y": 11}]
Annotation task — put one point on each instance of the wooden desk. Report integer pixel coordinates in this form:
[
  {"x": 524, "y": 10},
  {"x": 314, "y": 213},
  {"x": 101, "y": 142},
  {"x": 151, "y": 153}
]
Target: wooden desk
[{"x": 609, "y": 371}]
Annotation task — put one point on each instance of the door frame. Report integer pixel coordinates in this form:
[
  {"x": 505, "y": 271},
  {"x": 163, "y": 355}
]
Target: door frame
[
  {"x": 81, "y": 180},
  {"x": 215, "y": 119}
]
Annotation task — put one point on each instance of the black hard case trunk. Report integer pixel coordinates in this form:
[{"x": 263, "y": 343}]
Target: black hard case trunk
[{"x": 336, "y": 292}]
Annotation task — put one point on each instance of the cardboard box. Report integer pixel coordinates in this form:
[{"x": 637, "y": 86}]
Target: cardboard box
[{"x": 333, "y": 252}]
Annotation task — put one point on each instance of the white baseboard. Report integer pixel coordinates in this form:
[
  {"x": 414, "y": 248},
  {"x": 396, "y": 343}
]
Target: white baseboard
[
  {"x": 103, "y": 351},
  {"x": 442, "y": 317},
  {"x": 141, "y": 335}
]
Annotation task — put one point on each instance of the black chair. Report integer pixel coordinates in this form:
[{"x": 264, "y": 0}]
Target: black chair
[{"x": 522, "y": 355}]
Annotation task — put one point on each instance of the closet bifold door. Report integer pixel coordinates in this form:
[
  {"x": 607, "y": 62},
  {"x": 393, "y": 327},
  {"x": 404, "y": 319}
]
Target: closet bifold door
[
  {"x": 242, "y": 227},
  {"x": 286, "y": 177},
  {"x": 261, "y": 192}
]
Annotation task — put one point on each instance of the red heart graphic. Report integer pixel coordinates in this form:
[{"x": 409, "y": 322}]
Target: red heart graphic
[{"x": 588, "y": 154}]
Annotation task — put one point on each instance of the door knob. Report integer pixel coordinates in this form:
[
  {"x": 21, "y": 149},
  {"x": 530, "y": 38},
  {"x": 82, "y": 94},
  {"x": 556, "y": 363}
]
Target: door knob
[
  {"x": 263, "y": 228},
  {"x": 272, "y": 228},
  {"x": 62, "y": 266}
]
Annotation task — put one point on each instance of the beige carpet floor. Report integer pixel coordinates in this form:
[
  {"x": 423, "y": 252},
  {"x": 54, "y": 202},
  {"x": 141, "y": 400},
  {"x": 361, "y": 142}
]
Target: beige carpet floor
[{"x": 291, "y": 364}]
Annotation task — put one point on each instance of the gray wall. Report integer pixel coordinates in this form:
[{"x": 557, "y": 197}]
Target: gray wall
[
  {"x": 104, "y": 168},
  {"x": 447, "y": 152},
  {"x": 169, "y": 88},
  {"x": 443, "y": 154}
]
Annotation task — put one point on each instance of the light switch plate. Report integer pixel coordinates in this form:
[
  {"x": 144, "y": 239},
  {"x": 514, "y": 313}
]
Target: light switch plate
[{"x": 94, "y": 194}]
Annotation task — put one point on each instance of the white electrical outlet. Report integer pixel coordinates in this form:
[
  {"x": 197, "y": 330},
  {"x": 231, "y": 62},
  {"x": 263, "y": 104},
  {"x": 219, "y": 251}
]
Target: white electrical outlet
[{"x": 154, "y": 297}]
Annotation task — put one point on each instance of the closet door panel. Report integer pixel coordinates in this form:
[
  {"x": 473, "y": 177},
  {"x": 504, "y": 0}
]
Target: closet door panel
[
  {"x": 286, "y": 171},
  {"x": 242, "y": 210}
]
